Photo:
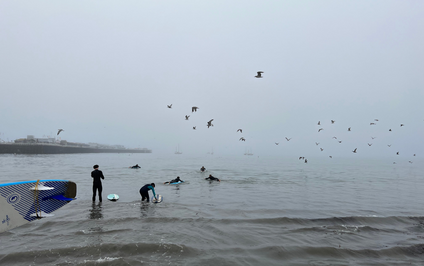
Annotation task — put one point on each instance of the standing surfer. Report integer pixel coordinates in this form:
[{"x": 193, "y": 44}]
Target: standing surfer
[
  {"x": 144, "y": 191},
  {"x": 97, "y": 175}
]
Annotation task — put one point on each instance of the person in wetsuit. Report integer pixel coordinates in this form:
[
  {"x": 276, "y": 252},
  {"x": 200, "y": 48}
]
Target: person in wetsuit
[
  {"x": 144, "y": 191},
  {"x": 135, "y": 166},
  {"x": 202, "y": 169},
  {"x": 97, "y": 175},
  {"x": 174, "y": 180},
  {"x": 212, "y": 178}
]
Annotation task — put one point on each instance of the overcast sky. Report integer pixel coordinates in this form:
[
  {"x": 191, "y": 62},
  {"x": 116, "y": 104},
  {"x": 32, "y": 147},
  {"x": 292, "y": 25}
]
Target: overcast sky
[{"x": 105, "y": 71}]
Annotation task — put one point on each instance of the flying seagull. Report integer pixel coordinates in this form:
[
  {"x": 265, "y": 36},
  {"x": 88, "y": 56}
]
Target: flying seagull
[
  {"x": 320, "y": 129},
  {"x": 401, "y": 125},
  {"x": 241, "y": 131},
  {"x": 372, "y": 124},
  {"x": 321, "y": 149},
  {"x": 348, "y": 129},
  {"x": 332, "y": 121},
  {"x": 242, "y": 139},
  {"x": 170, "y": 106},
  {"x": 194, "y": 109},
  {"x": 354, "y": 151},
  {"x": 259, "y": 75},
  {"x": 194, "y": 128},
  {"x": 186, "y": 117},
  {"x": 369, "y": 144},
  {"x": 210, "y": 123},
  {"x": 276, "y": 143},
  {"x": 317, "y": 143},
  {"x": 319, "y": 123},
  {"x": 60, "y": 130},
  {"x": 288, "y": 139}
]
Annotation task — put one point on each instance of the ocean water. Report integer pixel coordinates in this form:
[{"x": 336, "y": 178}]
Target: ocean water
[{"x": 266, "y": 211}]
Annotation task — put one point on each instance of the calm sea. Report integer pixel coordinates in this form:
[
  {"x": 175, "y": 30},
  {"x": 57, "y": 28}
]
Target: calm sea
[{"x": 266, "y": 211}]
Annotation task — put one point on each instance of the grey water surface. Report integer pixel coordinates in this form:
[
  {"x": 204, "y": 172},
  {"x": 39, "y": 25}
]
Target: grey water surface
[{"x": 266, "y": 211}]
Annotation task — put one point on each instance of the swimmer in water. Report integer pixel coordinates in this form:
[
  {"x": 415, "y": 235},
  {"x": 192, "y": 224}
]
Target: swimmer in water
[
  {"x": 212, "y": 178},
  {"x": 202, "y": 169},
  {"x": 174, "y": 180}
]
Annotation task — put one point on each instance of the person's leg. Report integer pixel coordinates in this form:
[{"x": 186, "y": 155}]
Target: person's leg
[
  {"x": 94, "y": 193},
  {"x": 100, "y": 193}
]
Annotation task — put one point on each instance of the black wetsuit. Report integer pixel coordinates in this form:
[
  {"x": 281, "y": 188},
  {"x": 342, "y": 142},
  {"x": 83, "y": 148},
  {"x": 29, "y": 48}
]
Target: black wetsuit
[
  {"x": 97, "y": 175},
  {"x": 211, "y": 178},
  {"x": 144, "y": 192}
]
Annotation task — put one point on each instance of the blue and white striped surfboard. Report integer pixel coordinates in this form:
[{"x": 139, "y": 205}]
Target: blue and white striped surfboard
[{"x": 24, "y": 202}]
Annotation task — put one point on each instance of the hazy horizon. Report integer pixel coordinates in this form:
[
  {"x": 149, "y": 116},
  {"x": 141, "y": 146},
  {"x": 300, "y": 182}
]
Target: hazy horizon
[{"x": 106, "y": 71}]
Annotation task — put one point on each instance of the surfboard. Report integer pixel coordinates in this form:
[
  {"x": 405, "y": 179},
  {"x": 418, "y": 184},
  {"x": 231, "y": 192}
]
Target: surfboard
[
  {"x": 176, "y": 183},
  {"x": 24, "y": 202},
  {"x": 113, "y": 197},
  {"x": 158, "y": 199}
]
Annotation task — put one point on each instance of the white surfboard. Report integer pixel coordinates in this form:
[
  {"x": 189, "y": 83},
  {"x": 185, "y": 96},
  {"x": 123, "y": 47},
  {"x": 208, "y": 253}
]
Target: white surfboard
[
  {"x": 158, "y": 199},
  {"x": 24, "y": 202},
  {"x": 113, "y": 197}
]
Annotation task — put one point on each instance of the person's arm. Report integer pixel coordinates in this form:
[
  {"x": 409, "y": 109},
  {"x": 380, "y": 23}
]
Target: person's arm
[
  {"x": 102, "y": 176},
  {"x": 153, "y": 190}
]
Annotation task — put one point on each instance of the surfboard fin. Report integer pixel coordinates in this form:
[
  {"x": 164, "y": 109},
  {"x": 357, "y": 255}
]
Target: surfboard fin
[
  {"x": 41, "y": 215},
  {"x": 41, "y": 187}
]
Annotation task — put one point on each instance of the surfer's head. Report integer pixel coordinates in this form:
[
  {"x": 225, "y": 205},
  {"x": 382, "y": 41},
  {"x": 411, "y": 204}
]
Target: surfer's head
[
  {"x": 153, "y": 184},
  {"x": 96, "y": 166}
]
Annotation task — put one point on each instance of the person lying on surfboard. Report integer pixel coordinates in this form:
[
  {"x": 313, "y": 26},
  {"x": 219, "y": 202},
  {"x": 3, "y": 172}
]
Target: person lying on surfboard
[
  {"x": 212, "y": 178},
  {"x": 174, "y": 180},
  {"x": 144, "y": 191},
  {"x": 135, "y": 166}
]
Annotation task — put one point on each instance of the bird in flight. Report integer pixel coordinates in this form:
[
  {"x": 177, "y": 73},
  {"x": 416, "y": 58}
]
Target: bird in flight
[
  {"x": 288, "y": 139},
  {"x": 340, "y": 141},
  {"x": 186, "y": 117},
  {"x": 259, "y": 75},
  {"x": 317, "y": 143},
  {"x": 334, "y": 137},
  {"x": 348, "y": 129},
  {"x": 372, "y": 124},
  {"x": 390, "y": 129},
  {"x": 170, "y": 106},
  {"x": 397, "y": 153},
  {"x": 242, "y": 139},
  {"x": 319, "y": 123},
  {"x": 306, "y": 160},
  {"x": 389, "y": 145},
  {"x": 373, "y": 137},
  {"x": 369, "y": 144},
  {"x": 320, "y": 129},
  {"x": 376, "y": 120},
  {"x": 210, "y": 123},
  {"x": 194, "y": 128},
  {"x": 194, "y": 109},
  {"x": 321, "y": 149},
  {"x": 354, "y": 151},
  {"x": 401, "y": 125},
  {"x": 332, "y": 121},
  {"x": 59, "y": 130},
  {"x": 330, "y": 156},
  {"x": 241, "y": 131},
  {"x": 276, "y": 143}
]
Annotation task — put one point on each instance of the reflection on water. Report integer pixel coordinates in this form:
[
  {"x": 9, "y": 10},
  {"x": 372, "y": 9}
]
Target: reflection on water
[{"x": 96, "y": 211}]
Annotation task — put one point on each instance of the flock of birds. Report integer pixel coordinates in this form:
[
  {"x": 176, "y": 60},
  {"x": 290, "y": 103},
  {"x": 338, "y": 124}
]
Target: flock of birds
[{"x": 349, "y": 129}]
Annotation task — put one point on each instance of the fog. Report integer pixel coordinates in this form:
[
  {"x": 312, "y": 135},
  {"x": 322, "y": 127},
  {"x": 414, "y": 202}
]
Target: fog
[{"x": 105, "y": 71}]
